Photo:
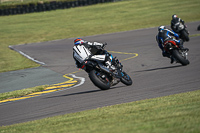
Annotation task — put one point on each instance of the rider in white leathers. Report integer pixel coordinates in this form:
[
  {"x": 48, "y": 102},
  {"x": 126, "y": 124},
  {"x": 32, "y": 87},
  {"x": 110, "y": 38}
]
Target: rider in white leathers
[{"x": 84, "y": 50}]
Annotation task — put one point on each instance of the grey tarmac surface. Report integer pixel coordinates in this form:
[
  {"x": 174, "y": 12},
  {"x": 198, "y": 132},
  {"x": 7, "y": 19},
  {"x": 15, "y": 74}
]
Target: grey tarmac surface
[
  {"x": 22, "y": 79},
  {"x": 152, "y": 75}
]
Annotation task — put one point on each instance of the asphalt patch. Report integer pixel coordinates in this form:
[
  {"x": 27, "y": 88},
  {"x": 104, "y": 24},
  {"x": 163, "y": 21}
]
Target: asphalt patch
[{"x": 27, "y": 78}]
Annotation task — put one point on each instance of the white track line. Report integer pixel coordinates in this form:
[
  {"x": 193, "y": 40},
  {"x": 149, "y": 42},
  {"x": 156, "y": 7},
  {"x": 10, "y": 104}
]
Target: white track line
[{"x": 27, "y": 56}]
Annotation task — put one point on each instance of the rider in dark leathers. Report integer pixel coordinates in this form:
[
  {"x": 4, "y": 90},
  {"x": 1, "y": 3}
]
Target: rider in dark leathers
[
  {"x": 165, "y": 34},
  {"x": 174, "y": 21}
]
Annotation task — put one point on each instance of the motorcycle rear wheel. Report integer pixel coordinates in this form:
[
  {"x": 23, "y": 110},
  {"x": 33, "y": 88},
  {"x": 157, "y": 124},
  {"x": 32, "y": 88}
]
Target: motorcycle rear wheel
[
  {"x": 185, "y": 35},
  {"x": 177, "y": 55},
  {"x": 97, "y": 80}
]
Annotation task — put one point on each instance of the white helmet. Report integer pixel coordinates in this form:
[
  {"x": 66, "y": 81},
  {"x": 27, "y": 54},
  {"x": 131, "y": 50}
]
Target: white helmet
[
  {"x": 161, "y": 28},
  {"x": 174, "y": 16}
]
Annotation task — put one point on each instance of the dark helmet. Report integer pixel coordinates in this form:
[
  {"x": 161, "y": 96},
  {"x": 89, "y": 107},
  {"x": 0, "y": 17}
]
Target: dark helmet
[
  {"x": 78, "y": 41},
  {"x": 161, "y": 27},
  {"x": 174, "y": 16}
]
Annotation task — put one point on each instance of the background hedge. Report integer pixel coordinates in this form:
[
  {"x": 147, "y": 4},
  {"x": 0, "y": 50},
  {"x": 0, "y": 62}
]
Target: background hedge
[{"x": 23, "y": 8}]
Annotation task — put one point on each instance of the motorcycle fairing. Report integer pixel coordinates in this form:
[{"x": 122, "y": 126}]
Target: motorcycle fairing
[
  {"x": 99, "y": 57},
  {"x": 170, "y": 41}
]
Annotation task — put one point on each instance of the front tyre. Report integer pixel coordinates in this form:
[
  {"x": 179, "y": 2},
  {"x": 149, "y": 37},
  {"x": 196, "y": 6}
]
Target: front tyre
[
  {"x": 99, "y": 79},
  {"x": 178, "y": 56},
  {"x": 126, "y": 79}
]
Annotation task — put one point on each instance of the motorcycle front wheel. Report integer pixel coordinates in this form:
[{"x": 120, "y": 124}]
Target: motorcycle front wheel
[
  {"x": 126, "y": 79},
  {"x": 99, "y": 79}
]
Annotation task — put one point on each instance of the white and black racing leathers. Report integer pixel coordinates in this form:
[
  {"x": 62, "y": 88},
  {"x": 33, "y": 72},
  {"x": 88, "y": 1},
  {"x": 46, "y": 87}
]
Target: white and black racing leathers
[{"x": 89, "y": 50}]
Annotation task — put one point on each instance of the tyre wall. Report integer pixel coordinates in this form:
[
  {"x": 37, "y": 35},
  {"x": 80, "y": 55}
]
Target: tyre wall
[{"x": 47, "y": 6}]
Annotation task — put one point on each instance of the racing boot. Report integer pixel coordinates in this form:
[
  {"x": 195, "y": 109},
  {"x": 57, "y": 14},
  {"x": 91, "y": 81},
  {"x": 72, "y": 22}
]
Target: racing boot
[
  {"x": 183, "y": 49},
  {"x": 172, "y": 60},
  {"x": 165, "y": 54}
]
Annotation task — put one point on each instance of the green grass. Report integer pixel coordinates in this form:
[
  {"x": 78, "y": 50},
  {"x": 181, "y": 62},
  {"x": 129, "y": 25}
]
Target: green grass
[
  {"x": 178, "y": 113},
  {"x": 85, "y": 21},
  {"x": 23, "y": 92},
  {"x": 194, "y": 35}
]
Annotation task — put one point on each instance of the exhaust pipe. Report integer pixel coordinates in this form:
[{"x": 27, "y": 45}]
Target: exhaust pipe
[{"x": 102, "y": 67}]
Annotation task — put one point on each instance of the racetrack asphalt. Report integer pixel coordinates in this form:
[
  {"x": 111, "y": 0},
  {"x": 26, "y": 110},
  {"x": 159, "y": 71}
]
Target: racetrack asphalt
[
  {"x": 22, "y": 79},
  {"x": 152, "y": 75}
]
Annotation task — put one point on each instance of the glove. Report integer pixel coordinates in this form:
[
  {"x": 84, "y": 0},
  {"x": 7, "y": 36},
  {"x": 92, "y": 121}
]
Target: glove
[{"x": 176, "y": 36}]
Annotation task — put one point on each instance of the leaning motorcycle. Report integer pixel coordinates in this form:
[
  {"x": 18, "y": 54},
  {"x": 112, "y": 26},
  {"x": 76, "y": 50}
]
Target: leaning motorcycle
[
  {"x": 174, "y": 50},
  {"x": 104, "y": 78},
  {"x": 182, "y": 31}
]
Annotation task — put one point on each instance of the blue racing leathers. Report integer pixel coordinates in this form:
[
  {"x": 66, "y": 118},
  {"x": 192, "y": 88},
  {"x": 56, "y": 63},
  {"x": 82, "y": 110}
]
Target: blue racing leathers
[{"x": 165, "y": 35}]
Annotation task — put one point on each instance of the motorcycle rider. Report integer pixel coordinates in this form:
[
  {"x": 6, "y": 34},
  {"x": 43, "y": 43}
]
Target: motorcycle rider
[
  {"x": 83, "y": 50},
  {"x": 174, "y": 21},
  {"x": 165, "y": 34}
]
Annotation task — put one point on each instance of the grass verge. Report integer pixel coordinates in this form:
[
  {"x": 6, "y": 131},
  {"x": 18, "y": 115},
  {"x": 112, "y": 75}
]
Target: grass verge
[
  {"x": 84, "y": 21},
  {"x": 23, "y": 92},
  {"x": 178, "y": 113},
  {"x": 194, "y": 35}
]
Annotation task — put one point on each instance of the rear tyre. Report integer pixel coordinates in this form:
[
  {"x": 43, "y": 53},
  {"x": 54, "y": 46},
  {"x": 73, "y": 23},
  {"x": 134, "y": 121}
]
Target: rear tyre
[
  {"x": 177, "y": 55},
  {"x": 185, "y": 35},
  {"x": 99, "y": 79},
  {"x": 126, "y": 79}
]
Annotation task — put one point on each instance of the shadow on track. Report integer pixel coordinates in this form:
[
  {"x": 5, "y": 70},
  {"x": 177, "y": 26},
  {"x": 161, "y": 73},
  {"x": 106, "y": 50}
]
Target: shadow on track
[
  {"x": 160, "y": 68},
  {"x": 85, "y": 92}
]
